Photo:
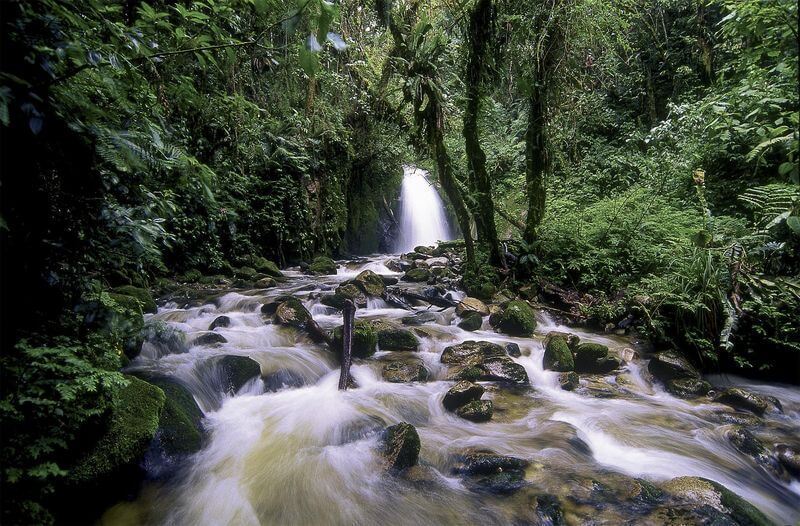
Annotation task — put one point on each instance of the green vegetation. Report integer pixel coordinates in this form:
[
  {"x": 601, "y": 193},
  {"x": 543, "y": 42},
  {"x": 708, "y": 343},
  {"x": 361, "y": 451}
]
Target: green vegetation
[{"x": 634, "y": 163}]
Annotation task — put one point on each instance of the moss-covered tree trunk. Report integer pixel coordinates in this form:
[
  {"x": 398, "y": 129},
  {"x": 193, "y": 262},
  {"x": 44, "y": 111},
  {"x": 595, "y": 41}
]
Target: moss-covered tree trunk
[
  {"x": 536, "y": 160},
  {"x": 480, "y": 34}
]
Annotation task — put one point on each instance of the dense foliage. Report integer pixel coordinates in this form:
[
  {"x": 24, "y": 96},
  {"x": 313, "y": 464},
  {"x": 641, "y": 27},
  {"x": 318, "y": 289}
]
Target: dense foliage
[{"x": 640, "y": 156}]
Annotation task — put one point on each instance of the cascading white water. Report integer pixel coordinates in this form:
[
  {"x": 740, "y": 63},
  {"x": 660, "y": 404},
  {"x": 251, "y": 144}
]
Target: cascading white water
[{"x": 422, "y": 215}]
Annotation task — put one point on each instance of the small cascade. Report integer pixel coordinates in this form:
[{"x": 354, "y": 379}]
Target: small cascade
[{"x": 422, "y": 215}]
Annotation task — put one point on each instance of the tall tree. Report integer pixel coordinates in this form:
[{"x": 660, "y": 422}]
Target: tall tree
[{"x": 480, "y": 34}]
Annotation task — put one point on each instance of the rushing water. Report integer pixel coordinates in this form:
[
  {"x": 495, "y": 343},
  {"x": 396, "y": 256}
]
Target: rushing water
[
  {"x": 422, "y": 215},
  {"x": 308, "y": 455}
]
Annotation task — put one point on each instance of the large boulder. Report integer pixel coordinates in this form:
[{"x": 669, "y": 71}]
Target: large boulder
[
  {"x": 290, "y": 311},
  {"x": 678, "y": 375},
  {"x": 489, "y": 472},
  {"x": 476, "y": 411},
  {"x": 744, "y": 400},
  {"x": 471, "y": 321},
  {"x": 210, "y": 339},
  {"x": 116, "y": 455},
  {"x": 179, "y": 427},
  {"x": 517, "y": 319},
  {"x": 370, "y": 283},
  {"x": 472, "y": 305},
  {"x": 265, "y": 266},
  {"x": 417, "y": 275},
  {"x": 730, "y": 508},
  {"x": 397, "y": 339},
  {"x": 482, "y": 361},
  {"x": 593, "y": 358},
  {"x": 237, "y": 371},
  {"x": 143, "y": 296},
  {"x": 557, "y": 354},
  {"x": 365, "y": 339},
  {"x": 322, "y": 265},
  {"x": 220, "y": 321},
  {"x": 404, "y": 372},
  {"x": 401, "y": 446},
  {"x": 461, "y": 394}
]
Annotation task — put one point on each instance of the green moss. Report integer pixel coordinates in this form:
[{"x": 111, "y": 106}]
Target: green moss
[
  {"x": 392, "y": 339},
  {"x": 517, "y": 319},
  {"x": 476, "y": 411},
  {"x": 245, "y": 273},
  {"x": 370, "y": 283},
  {"x": 471, "y": 321},
  {"x": 322, "y": 265},
  {"x": 365, "y": 339},
  {"x": 402, "y": 446},
  {"x": 265, "y": 266},
  {"x": 179, "y": 430},
  {"x": 143, "y": 295},
  {"x": 238, "y": 370},
  {"x": 557, "y": 355},
  {"x": 133, "y": 424},
  {"x": 417, "y": 275},
  {"x": 190, "y": 276}
]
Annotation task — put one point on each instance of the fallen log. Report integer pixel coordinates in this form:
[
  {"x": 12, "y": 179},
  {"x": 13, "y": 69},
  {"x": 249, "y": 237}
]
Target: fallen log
[{"x": 348, "y": 315}]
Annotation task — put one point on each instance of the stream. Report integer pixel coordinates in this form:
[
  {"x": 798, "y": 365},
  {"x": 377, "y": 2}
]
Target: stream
[{"x": 289, "y": 448}]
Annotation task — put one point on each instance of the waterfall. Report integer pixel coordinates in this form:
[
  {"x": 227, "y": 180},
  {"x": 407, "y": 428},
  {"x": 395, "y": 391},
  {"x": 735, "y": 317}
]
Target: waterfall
[{"x": 422, "y": 215}]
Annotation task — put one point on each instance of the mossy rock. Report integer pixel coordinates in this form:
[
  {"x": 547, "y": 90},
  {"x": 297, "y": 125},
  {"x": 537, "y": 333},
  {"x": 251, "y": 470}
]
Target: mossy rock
[
  {"x": 482, "y": 361},
  {"x": 365, "y": 339},
  {"x": 143, "y": 295},
  {"x": 471, "y": 305},
  {"x": 247, "y": 273},
  {"x": 130, "y": 318},
  {"x": 404, "y": 372},
  {"x": 265, "y": 266},
  {"x": 476, "y": 411},
  {"x": 322, "y": 265},
  {"x": 471, "y": 321},
  {"x": 401, "y": 446},
  {"x": 589, "y": 357},
  {"x": 417, "y": 275},
  {"x": 712, "y": 494},
  {"x": 190, "y": 276},
  {"x": 461, "y": 394},
  {"x": 557, "y": 355},
  {"x": 396, "y": 339},
  {"x": 569, "y": 381},
  {"x": 517, "y": 319},
  {"x": 210, "y": 339},
  {"x": 688, "y": 387},
  {"x": 132, "y": 425},
  {"x": 422, "y": 249},
  {"x": 266, "y": 283},
  {"x": 291, "y": 312},
  {"x": 179, "y": 426},
  {"x": 237, "y": 371},
  {"x": 669, "y": 365},
  {"x": 370, "y": 283},
  {"x": 744, "y": 400},
  {"x": 352, "y": 292}
]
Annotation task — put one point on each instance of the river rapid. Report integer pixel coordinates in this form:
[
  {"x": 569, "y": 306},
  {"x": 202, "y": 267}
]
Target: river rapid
[{"x": 289, "y": 448}]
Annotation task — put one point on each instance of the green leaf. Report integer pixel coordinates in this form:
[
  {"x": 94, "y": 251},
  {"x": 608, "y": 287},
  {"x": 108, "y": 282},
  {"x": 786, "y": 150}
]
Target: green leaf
[
  {"x": 261, "y": 6},
  {"x": 328, "y": 13},
  {"x": 793, "y": 222},
  {"x": 309, "y": 61}
]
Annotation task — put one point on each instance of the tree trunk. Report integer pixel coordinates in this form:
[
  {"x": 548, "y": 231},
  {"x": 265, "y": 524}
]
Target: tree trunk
[
  {"x": 536, "y": 160},
  {"x": 480, "y": 32},
  {"x": 348, "y": 315}
]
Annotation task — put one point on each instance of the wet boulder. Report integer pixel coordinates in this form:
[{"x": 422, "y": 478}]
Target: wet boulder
[
  {"x": 265, "y": 266},
  {"x": 397, "y": 339},
  {"x": 743, "y": 400},
  {"x": 569, "y": 381},
  {"x": 513, "y": 350},
  {"x": 291, "y": 312},
  {"x": 517, "y": 319},
  {"x": 424, "y": 250},
  {"x": 113, "y": 460},
  {"x": 789, "y": 458},
  {"x": 669, "y": 365},
  {"x": 476, "y": 411},
  {"x": 489, "y": 472},
  {"x": 472, "y": 305},
  {"x": 266, "y": 283},
  {"x": 237, "y": 371},
  {"x": 557, "y": 354},
  {"x": 370, "y": 283},
  {"x": 688, "y": 387},
  {"x": 401, "y": 446},
  {"x": 419, "y": 318},
  {"x": 220, "y": 321},
  {"x": 179, "y": 426},
  {"x": 437, "y": 262},
  {"x": 322, "y": 265},
  {"x": 365, "y": 339},
  {"x": 348, "y": 291},
  {"x": 482, "y": 361},
  {"x": 593, "y": 358},
  {"x": 210, "y": 338},
  {"x": 417, "y": 275},
  {"x": 398, "y": 265},
  {"x": 471, "y": 321},
  {"x": 404, "y": 372},
  {"x": 725, "y": 507},
  {"x": 245, "y": 273},
  {"x": 461, "y": 394},
  {"x": 745, "y": 442}
]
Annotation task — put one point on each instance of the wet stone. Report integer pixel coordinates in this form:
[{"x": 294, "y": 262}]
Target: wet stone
[
  {"x": 491, "y": 473},
  {"x": 569, "y": 381},
  {"x": 744, "y": 400},
  {"x": 513, "y": 350},
  {"x": 476, "y": 411},
  {"x": 482, "y": 361},
  {"x": 404, "y": 372},
  {"x": 419, "y": 318},
  {"x": 462, "y": 393},
  {"x": 210, "y": 338},
  {"x": 471, "y": 322},
  {"x": 401, "y": 446},
  {"x": 220, "y": 321}
]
